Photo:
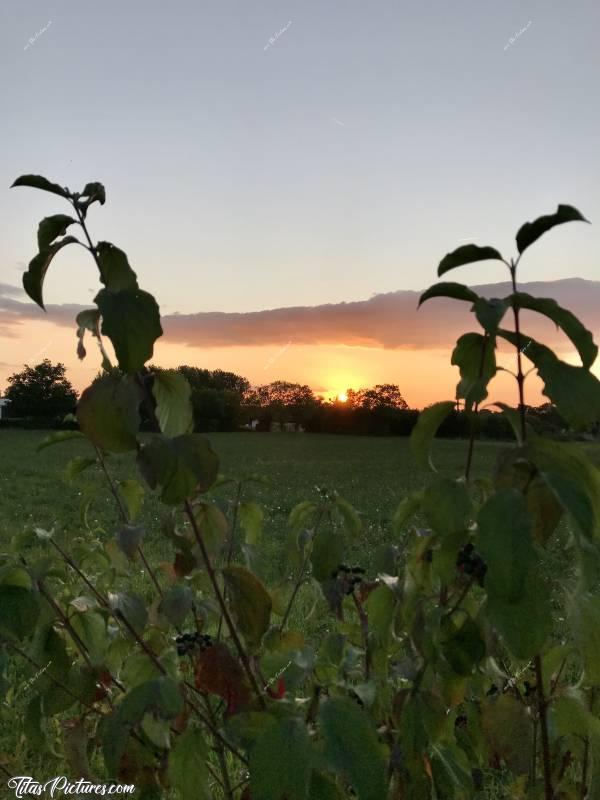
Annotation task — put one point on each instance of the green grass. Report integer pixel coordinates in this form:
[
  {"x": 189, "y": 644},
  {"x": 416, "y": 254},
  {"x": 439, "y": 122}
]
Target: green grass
[{"x": 372, "y": 473}]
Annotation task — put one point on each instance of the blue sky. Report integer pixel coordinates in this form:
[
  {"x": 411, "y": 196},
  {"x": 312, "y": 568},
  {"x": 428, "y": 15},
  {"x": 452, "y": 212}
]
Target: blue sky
[
  {"x": 233, "y": 186},
  {"x": 342, "y": 161}
]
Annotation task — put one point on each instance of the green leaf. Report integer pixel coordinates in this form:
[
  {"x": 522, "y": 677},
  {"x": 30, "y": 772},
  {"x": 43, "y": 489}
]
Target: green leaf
[
  {"x": 172, "y": 393},
  {"x": 506, "y": 726},
  {"x": 91, "y": 629},
  {"x": 87, "y": 320},
  {"x": 585, "y": 625},
  {"x": 180, "y": 466},
  {"x": 250, "y": 603},
  {"x": 188, "y": 761},
  {"x": 323, "y": 787},
  {"x": 39, "y": 182},
  {"x": 327, "y": 553},
  {"x": 19, "y": 611},
  {"x": 159, "y": 696},
  {"x": 133, "y": 494},
  {"x": 505, "y": 542},
  {"x": 108, "y": 413},
  {"x": 58, "y": 438},
  {"x": 422, "y": 435},
  {"x": 563, "y": 319},
  {"x": 177, "y": 604},
  {"x": 407, "y": 507},
  {"x": 463, "y": 647},
  {"x": 131, "y": 607},
  {"x": 301, "y": 514},
  {"x": 573, "y": 478},
  {"x": 94, "y": 192},
  {"x": 457, "y": 291},
  {"x": 251, "y": 518},
  {"x": 467, "y": 254},
  {"x": 52, "y": 227},
  {"x": 447, "y": 506},
  {"x": 33, "y": 279},
  {"x": 513, "y": 418},
  {"x": 352, "y": 747},
  {"x": 349, "y": 515},
  {"x": 78, "y": 465},
  {"x": 518, "y": 603},
  {"x": 287, "y": 776},
  {"x": 129, "y": 538},
  {"x": 115, "y": 272},
  {"x": 489, "y": 313},
  {"x": 475, "y": 357},
  {"x": 131, "y": 320},
  {"x": 213, "y": 526},
  {"x": 574, "y": 390},
  {"x": 531, "y": 231}
]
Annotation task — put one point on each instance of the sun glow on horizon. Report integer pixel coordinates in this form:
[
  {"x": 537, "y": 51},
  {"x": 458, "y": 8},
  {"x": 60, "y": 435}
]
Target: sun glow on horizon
[{"x": 342, "y": 397}]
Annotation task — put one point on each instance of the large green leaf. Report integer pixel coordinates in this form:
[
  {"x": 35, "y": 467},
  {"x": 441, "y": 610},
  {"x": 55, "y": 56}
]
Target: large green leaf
[
  {"x": 457, "y": 291},
  {"x": 52, "y": 227},
  {"x": 568, "y": 322},
  {"x": 188, "y": 771},
  {"x": 574, "y": 390},
  {"x": 352, "y": 747},
  {"x": 133, "y": 494},
  {"x": 180, "y": 466},
  {"x": 176, "y": 604},
  {"x": 326, "y": 554},
  {"x": 39, "y": 182},
  {"x": 422, "y": 435},
  {"x": 475, "y": 357},
  {"x": 467, "y": 254},
  {"x": 531, "y": 231},
  {"x": 108, "y": 413},
  {"x": 19, "y": 611},
  {"x": 250, "y": 603},
  {"x": 489, "y": 313},
  {"x": 463, "y": 647},
  {"x": 172, "y": 393},
  {"x": 131, "y": 320},
  {"x": 585, "y": 625},
  {"x": 518, "y": 602},
  {"x": 115, "y": 272},
  {"x": 573, "y": 478},
  {"x": 505, "y": 542},
  {"x": 447, "y": 505},
  {"x": 33, "y": 279},
  {"x": 131, "y": 607},
  {"x": 251, "y": 516},
  {"x": 280, "y": 762},
  {"x": 159, "y": 696}
]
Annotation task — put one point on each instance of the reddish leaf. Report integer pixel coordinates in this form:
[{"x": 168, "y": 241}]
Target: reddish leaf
[
  {"x": 279, "y": 691},
  {"x": 217, "y": 672}
]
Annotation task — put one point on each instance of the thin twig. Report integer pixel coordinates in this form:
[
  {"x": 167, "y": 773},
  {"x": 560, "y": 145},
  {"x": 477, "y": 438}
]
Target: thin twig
[{"x": 223, "y": 606}]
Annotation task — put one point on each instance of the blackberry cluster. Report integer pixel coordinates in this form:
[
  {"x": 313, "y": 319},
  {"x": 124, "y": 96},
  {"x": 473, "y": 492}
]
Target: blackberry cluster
[
  {"x": 188, "y": 642},
  {"x": 471, "y": 563},
  {"x": 347, "y": 577},
  {"x": 461, "y": 721}
]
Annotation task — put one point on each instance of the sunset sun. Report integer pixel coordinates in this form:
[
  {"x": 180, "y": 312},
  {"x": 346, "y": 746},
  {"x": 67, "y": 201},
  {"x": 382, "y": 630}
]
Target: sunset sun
[{"x": 342, "y": 397}]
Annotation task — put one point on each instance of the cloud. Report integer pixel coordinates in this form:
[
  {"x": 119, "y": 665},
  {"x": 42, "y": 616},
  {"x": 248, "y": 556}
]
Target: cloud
[{"x": 389, "y": 321}]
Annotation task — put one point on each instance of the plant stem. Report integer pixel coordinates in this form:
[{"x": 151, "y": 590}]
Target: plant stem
[
  {"x": 520, "y": 376},
  {"x": 220, "y": 752},
  {"x": 125, "y": 516},
  {"x": 364, "y": 626},
  {"x": 66, "y": 623},
  {"x": 542, "y": 708},
  {"x": 300, "y": 577},
  {"x": 100, "y": 598},
  {"x": 223, "y": 606},
  {"x": 475, "y": 410}
]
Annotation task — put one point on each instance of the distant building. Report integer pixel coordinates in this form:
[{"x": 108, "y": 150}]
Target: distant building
[{"x": 4, "y": 401}]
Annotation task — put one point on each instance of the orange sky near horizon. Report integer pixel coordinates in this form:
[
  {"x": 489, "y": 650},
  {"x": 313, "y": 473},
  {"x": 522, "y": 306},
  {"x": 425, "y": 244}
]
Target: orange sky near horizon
[{"x": 424, "y": 376}]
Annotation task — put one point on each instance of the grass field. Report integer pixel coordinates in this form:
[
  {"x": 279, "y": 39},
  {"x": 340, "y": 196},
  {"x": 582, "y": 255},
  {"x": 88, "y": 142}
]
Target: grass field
[{"x": 372, "y": 473}]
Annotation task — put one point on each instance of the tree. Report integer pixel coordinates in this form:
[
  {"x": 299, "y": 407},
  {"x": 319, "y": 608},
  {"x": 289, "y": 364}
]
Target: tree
[
  {"x": 383, "y": 395},
  {"x": 41, "y": 392}
]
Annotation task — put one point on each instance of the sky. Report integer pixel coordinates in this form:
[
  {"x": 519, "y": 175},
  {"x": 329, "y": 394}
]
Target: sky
[{"x": 263, "y": 156}]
